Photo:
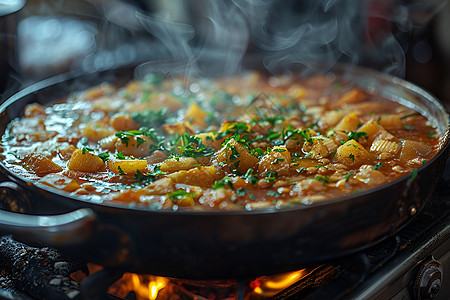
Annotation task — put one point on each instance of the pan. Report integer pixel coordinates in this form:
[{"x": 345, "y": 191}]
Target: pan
[{"x": 217, "y": 244}]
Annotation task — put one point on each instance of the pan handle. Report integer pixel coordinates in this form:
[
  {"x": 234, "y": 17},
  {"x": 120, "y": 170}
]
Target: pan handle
[{"x": 66, "y": 229}]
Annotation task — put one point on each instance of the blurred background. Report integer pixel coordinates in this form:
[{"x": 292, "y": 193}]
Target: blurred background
[{"x": 42, "y": 38}]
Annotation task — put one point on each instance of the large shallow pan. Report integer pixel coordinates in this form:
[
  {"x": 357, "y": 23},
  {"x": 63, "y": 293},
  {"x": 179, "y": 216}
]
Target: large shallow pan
[{"x": 218, "y": 244}]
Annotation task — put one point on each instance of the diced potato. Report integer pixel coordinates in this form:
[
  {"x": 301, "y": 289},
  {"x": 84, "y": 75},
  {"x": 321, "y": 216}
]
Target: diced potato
[
  {"x": 370, "y": 176},
  {"x": 385, "y": 149},
  {"x": 296, "y": 142},
  {"x": 297, "y": 91},
  {"x": 352, "y": 153},
  {"x": 231, "y": 126},
  {"x": 137, "y": 146},
  {"x": 209, "y": 140},
  {"x": 40, "y": 164},
  {"x": 33, "y": 110},
  {"x": 278, "y": 160},
  {"x": 196, "y": 116},
  {"x": 317, "y": 149},
  {"x": 234, "y": 156},
  {"x": 85, "y": 162},
  {"x": 180, "y": 163},
  {"x": 60, "y": 182},
  {"x": 123, "y": 122},
  {"x": 201, "y": 176},
  {"x": 178, "y": 128},
  {"x": 375, "y": 131},
  {"x": 305, "y": 163},
  {"x": 353, "y": 96},
  {"x": 349, "y": 123},
  {"x": 391, "y": 122},
  {"x": 109, "y": 142},
  {"x": 127, "y": 166},
  {"x": 330, "y": 144},
  {"x": 96, "y": 131},
  {"x": 332, "y": 117},
  {"x": 66, "y": 153},
  {"x": 160, "y": 187},
  {"x": 413, "y": 149}
]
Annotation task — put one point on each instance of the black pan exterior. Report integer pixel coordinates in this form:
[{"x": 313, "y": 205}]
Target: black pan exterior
[{"x": 206, "y": 245}]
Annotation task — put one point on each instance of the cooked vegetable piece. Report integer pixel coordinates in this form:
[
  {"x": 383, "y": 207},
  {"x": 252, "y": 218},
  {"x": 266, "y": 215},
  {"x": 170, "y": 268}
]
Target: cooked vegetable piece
[
  {"x": 234, "y": 156},
  {"x": 278, "y": 160},
  {"x": 40, "y": 164},
  {"x": 352, "y": 154},
  {"x": 127, "y": 166},
  {"x": 348, "y": 123},
  {"x": 85, "y": 161},
  {"x": 60, "y": 182},
  {"x": 413, "y": 149}
]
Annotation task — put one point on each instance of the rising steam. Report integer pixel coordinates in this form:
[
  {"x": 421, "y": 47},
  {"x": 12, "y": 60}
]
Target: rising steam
[{"x": 218, "y": 36}]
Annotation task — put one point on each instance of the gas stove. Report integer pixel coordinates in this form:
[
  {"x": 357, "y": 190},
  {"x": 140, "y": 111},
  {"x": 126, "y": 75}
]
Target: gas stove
[{"x": 412, "y": 264}]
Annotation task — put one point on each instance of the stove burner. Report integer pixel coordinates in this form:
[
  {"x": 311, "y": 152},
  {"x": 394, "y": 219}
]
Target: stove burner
[{"x": 408, "y": 265}]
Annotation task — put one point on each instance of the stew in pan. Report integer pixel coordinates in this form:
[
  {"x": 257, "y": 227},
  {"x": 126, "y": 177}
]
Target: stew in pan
[{"x": 249, "y": 142}]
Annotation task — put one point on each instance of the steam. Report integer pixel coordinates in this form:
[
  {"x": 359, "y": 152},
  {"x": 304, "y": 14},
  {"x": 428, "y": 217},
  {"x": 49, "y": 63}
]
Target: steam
[{"x": 313, "y": 34}]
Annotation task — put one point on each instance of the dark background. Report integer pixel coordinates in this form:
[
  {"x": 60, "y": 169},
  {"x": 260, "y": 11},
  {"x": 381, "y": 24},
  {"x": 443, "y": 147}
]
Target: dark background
[{"x": 52, "y": 37}]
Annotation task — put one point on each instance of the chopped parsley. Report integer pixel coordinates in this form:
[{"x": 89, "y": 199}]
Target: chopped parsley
[
  {"x": 150, "y": 177},
  {"x": 408, "y": 127},
  {"x": 150, "y": 118},
  {"x": 241, "y": 192},
  {"x": 104, "y": 156},
  {"x": 180, "y": 194},
  {"x": 121, "y": 172},
  {"x": 273, "y": 194},
  {"x": 220, "y": 184},
  {"x": 323, "y": 179},
  {"x": 193, "y": 147},
  {"x": 352, "y": 157},
  {"x": 355, "y": 135},
  {"x": 249, "y": 177},
  {"x": 349, "y": 174},
  {"x": 377, "y": 166},
  {"x": 86, "y": 149},
  {"x": 271, "y": 176}
]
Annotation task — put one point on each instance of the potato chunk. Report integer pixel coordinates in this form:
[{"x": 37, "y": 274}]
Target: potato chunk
[
  {"x": 352, "y": 153},
  {"x": 137, "y": 146},
  {"x": 179, "y": 163},
  {"x": 85, "y": 162},
  {"x": 40, "y": 164},
  {"x": 60, "y": 182},
  {"x": 127, "y": 166},
  {"x": 375, "y": 131},
  {"x": 201, "y": 176},
  {"x": 196, "y": 116},
  {"x": 123, "y": 122},
  {"x": 234, "y": 156},
  {"x": 349, "y": 123},
  {"x": 413, "y": 149},
  {"x": 96, "y": 131},
  {"x": 278, "y": 160}
]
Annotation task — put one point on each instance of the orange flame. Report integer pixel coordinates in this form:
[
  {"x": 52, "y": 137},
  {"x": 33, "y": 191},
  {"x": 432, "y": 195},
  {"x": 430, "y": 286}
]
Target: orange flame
[
  {"x": 269, "y": 286},
  {"x": 146, "y": 287}
]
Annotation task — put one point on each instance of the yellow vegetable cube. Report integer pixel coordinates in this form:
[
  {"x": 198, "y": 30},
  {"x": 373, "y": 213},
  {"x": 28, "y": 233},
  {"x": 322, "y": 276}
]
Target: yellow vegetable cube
[
  {"x": 348, "y": 123},
  {"x": 60, "y": 182},
  {"x": 352, "y": 154},
  {"x": 278, "y": 160},
  {"x": 234, "y": 156},
  {"x": 85, "y": 162},
  {"x": 127, "y": 166},
  {"x": 201, "y": 176},
  {"x": 40, "y": 164},
  {"x": 178, "y": 163},
  {"x": 196, "y": 116}
]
